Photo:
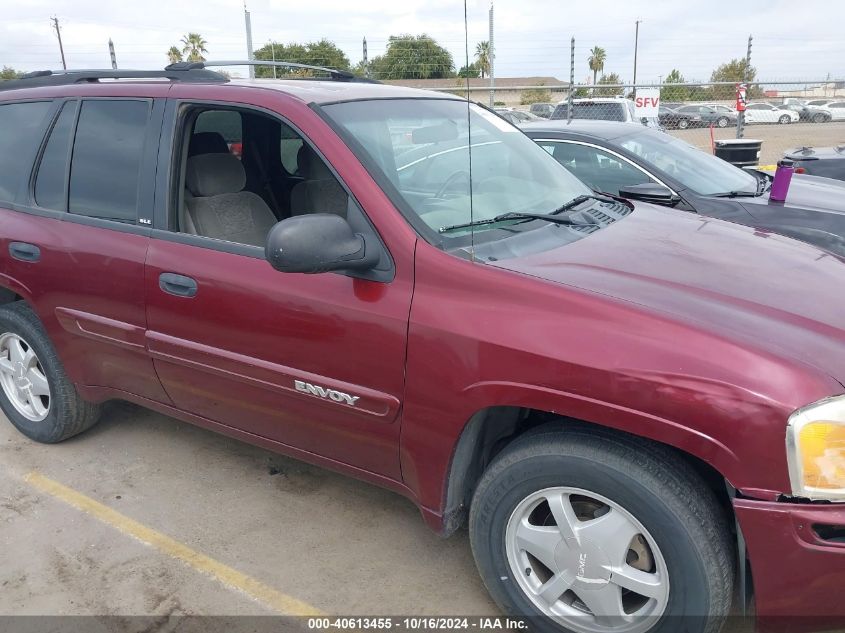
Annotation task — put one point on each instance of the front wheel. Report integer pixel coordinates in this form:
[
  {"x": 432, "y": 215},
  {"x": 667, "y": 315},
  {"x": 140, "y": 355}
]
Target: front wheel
[
  {"x": 783, "y": 120},
  {"x": 722, "y": 122},
  {"x": 591, "y": 533},
  {"x": 820, "y": 118},
  {"x": 683, "y": 124}
]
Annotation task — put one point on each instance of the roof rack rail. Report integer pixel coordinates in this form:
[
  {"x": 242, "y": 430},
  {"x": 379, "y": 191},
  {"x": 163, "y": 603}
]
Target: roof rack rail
[
  {"x": 189, "y": 73},
  {"x": 333, "y": 73}
]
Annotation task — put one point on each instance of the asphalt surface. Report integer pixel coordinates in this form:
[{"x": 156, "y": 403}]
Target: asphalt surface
[{"x": 776, "y": 138}]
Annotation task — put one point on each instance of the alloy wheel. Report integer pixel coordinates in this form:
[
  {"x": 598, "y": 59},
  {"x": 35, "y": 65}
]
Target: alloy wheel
[
  {"x": 22, "y": 378},
  {"x": 586, "y": 562}
]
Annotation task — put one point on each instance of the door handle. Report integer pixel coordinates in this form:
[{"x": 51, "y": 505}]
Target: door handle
[
  {"x": 178, "y": 285},
  {"x": 24, "y": 252}
]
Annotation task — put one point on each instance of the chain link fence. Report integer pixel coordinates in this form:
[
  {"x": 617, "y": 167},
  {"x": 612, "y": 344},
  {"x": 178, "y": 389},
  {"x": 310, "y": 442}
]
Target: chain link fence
[{"x": 782, "y": 115}]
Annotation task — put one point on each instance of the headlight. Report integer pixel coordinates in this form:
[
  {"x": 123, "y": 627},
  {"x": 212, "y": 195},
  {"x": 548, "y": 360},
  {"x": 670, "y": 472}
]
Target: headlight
[{"x": 815, "y": 444}]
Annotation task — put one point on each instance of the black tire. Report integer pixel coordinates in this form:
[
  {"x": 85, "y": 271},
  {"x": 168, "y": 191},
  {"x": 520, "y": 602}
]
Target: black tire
[
  {"x": 722, "y": 121},
  {"x": 683, "y": 124},
  {"x": 649, "y": 481},
  {"x": 783, "y": 120},
  {"x": 818, "y": 117},
  {"x": 68, "y": 413}
]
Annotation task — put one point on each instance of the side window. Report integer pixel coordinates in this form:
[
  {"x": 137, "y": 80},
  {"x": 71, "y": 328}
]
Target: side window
[
  {"x": 21, "y": 128},
  {"x": 841, "y": 104},
  {"x": 243, "y": 171},
  {"x": 598, "y": 169},
  {"x": 106, "y": 163},
  {"x": 51, "y": 181}
]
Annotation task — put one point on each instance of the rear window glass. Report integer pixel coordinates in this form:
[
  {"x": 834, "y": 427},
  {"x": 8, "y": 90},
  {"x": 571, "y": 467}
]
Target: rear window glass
[
  {"x": 21, "y": 128},
  {"x": 107, "y": 159},
  {"x": 594, "y": 111},
  {"x": 51, "y": 182}
]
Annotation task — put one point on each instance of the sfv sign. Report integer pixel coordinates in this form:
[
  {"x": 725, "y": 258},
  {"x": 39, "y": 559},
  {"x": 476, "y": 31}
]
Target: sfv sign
[{"x": 647, "y": 103}]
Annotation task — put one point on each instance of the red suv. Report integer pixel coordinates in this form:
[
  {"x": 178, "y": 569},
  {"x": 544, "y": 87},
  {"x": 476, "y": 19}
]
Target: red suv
[{"x": 635, "y": 409}]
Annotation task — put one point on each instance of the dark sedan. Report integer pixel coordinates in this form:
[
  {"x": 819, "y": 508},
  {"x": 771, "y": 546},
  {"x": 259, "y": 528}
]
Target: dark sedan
[
  {"x": 671, "y": 119},
  {"x": 643, "y": 164},
  {"x": 707, "y": 116},
  {"x": 815, "y": 114},
  {"x": 828, "y": 162}
]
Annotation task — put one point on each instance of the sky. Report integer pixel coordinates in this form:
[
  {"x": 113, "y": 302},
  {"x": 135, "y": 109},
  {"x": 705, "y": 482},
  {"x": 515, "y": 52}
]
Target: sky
[{"x": 794, "y": 40}]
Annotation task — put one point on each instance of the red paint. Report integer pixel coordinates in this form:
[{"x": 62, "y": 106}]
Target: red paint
[{"x": 693, "y": 332}]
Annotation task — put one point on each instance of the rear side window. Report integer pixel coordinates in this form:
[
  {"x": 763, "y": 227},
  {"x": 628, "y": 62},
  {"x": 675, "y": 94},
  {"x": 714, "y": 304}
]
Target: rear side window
[
  {"x": 51, "y": 181},
  {"x": 107, "y": 155},
  {"x": 21, "y": 128}
]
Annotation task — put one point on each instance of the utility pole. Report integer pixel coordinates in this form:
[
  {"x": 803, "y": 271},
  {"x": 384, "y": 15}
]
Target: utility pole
[
  {"x": 366, "y": 63},
  {"x": 491, "y": 55},
  {"x": 571, "y": 81},
  {"x": 273, "y": 51},
  {"x": 249, "y": 51},
  {"x": 55, "y": 22},
  {"x": 740, "y": 123},
  {"x": 636, "y": 44},
  {"x": 111, "y": 54}
]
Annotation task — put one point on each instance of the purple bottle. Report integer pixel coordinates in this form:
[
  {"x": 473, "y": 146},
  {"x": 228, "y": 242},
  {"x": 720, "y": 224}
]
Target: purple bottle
[{"x": 780, "y": 183}]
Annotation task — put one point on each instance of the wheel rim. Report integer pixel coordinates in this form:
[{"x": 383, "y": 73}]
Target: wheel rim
[
  {"x": 683, "y": 124},
  {"x": 23, "y": 379},
  {"x": 723, "y": 122},
  {"x": 586, "y": 562},
  {"x": 784, "y": 119}
]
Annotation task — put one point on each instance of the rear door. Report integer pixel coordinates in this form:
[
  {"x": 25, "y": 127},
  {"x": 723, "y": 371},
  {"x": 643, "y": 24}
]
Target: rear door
[{"x": 73, "y": 242}]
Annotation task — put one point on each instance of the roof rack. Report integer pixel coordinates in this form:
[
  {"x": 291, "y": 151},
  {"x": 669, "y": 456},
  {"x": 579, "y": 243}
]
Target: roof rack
[
  {"x": 188, "y": 73},
  {"x": 333, "y": 73}
]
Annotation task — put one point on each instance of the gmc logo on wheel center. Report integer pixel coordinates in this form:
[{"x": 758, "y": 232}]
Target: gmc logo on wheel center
[{"x": 322, "y": 392}]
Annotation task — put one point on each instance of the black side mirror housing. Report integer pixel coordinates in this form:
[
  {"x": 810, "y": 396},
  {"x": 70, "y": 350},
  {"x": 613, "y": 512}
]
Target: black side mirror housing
[
  {"x": 318, "y": 243},
  {"x": 650, "y": 192}
]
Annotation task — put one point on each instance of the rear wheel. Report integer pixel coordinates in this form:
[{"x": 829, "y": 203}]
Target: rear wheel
[
  {"x": 601, "y": 534},
  {"x": 683, "y": 124},
  {"x": 819, "y": 118},
  {"x": 784, "y": 119},
  {"x": 35, "y": 393}
]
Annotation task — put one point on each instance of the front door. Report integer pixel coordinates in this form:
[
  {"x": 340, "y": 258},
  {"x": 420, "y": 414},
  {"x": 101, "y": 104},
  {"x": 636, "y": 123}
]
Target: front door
[{"x": 315, "y": 362}]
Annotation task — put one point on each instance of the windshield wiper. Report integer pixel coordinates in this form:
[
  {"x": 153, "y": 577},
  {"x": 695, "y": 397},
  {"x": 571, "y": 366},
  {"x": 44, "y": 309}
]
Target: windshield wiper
[
  {"x": 518, "y": 215},
  {"x": 580, "y": 200},
  {"x": 736, "y": 194}
]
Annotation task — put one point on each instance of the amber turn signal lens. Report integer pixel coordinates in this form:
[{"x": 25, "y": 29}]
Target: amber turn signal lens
[{"x": 822, "y": 451}]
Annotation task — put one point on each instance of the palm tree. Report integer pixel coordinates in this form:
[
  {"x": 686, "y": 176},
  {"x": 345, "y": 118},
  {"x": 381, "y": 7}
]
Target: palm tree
[
  {"x": 194, "y": 47},
  {"x": 482, "y": 58},
  {"x": 174, "y": 55},
  {"x": 596, "y": 61}
]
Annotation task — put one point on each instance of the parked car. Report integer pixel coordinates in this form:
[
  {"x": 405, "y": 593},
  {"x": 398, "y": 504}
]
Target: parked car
[
  {"x": 673, "y": 119},
  {"x": 721, "y": 107},
  {"x": 621, "y": 400},
  {"x": 836, "y": 109},
  {"x": 806, "y": 112},
  {"x": 767, "y": 113},
  {"x": 827, "y": 162},
  {"x": 517, "y": 117},
  {"x": 604, "y": 109},
  {"x": 542, "y": 110},
  {"x": 708, "y": 116},
  {"x": 645, "y": 165}
]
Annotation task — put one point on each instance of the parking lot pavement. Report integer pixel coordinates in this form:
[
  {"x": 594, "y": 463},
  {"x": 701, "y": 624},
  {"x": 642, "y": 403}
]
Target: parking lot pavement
[
  {"x": 298, "y": 538},
  {"x": 776, "y": 138}
]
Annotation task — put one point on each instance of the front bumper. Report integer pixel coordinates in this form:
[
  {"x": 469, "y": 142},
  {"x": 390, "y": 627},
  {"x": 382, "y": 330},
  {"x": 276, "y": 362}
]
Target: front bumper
[{"x": 798, "y": 576}]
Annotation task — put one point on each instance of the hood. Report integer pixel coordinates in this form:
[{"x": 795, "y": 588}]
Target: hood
[
  {"x": 806, "y": 192},
  {"x": 768, "y": 291}
]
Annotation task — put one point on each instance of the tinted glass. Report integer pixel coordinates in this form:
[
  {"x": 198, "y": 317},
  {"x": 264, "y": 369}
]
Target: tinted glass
[
  {"x": 602, "y": 111},
  {"x": 21, "y": 127},
  {"x": 51, "y": 182},
  {"x": 107, "y": 159},
  {"x": 699, "y": 171},
  {"x": 225, "y": 122},
  {"x": 600, "y": 170}
]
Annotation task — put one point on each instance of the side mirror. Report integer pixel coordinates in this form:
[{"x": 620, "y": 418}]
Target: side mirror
[
  {"x": 650, "y": 192},
  {"x": 318, "y": 243}
]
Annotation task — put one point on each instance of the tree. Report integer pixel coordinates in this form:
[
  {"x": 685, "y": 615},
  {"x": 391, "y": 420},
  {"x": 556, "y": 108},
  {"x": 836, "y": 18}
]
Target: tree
[
  {"x": 472, "y": 71},
  {"x": 174, "y": 55},
  {"x": 596, "y": 61},
  {"x": 612, "y": 78},
  {"x": 535, "y": 95},
  {"x": 674, "y": 93},
  {"x": 413, "y": 57},
  {"x": 323, "y": 53},
  {"x": 482, "y": 58},
  {"x": 736, "y": 71},
  {"x": 193, "y": 45},
  {"x": 9, "y": 73}
]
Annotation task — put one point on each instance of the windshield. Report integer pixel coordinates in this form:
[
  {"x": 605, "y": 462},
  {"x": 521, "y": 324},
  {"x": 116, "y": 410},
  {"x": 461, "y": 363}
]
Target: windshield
[
  {"x": 699, "y": 171},
  {"x": 420, "y": 148}
]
